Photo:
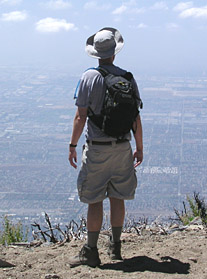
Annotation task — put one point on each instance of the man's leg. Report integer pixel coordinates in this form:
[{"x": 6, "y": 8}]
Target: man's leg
[
  {"x": 117, "y": 212},
  {"x": 94, "y": 222},
  {"x": 89, "y": 253},
  {"x": 117, "y": 220}
]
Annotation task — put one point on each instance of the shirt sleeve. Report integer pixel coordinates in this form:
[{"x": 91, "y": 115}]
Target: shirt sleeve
[
  {"x": 83, "y": 93},
  {"x": 136, "y": 88},
  {"x": 139, "y": 101},
  {"x": 90, "y": 90}
]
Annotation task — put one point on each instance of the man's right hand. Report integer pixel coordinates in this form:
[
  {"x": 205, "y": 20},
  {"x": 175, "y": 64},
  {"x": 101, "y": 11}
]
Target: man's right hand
[
  {"x": 138, "y": 157},
  {"x": 73, "y": 157}
]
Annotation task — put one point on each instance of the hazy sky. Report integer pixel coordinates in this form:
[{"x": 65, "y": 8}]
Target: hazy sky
[{"x": 160, "y": 36}]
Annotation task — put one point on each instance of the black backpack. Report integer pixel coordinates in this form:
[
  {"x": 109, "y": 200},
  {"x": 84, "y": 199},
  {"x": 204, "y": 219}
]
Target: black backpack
[{"x": 120, "y": 107}]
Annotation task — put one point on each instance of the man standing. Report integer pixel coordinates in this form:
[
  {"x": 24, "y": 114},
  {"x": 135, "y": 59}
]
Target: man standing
[{"x": 108, "y": 169}]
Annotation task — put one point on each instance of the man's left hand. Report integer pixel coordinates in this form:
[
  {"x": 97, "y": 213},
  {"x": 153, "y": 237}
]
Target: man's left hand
[{"x": 73, "y": 157}]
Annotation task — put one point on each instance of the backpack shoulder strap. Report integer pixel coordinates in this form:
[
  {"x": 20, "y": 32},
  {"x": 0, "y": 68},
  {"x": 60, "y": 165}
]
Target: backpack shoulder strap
[
  {"x": 128, "y": 76},
  {"x": 102, "y": 71}
]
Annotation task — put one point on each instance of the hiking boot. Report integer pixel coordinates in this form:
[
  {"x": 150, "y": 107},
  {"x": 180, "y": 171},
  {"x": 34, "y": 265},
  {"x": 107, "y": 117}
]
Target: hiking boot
[
  {"x": 87, "y": 256},
  {"x": 114, "y": 250}
]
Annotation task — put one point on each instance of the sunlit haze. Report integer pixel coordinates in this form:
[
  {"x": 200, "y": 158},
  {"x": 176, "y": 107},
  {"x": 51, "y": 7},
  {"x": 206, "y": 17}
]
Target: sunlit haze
[{"x": 163, "y": 37}]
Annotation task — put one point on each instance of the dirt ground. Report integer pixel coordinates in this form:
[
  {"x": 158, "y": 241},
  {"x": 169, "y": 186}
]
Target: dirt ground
[{"x": 176, "y": 256}]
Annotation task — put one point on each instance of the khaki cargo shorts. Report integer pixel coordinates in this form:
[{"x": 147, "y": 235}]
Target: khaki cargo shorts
[{"x": 106, "y": 171}]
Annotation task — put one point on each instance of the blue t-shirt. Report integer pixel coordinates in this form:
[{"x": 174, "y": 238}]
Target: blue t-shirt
[{"x": 91, "y": 93}]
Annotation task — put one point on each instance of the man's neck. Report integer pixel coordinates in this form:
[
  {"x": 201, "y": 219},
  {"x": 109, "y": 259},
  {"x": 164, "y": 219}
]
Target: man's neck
[
  {"x": 100, "y": 64},
  {"x": 107, "y": 61}
]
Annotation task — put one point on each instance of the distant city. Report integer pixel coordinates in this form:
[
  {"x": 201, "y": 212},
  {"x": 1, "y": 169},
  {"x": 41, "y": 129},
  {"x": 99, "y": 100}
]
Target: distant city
[{"x": 36, "y": 116}]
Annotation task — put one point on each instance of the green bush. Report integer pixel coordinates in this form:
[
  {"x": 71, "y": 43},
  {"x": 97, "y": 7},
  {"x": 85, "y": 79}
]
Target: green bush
[
  {"x": 196, "y": 208},
  {"x": 12, "y": 232}
]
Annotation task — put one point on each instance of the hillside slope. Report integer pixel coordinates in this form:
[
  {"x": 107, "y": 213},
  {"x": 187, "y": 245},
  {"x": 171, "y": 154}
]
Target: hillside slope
[{"x": 175, "y": 256}]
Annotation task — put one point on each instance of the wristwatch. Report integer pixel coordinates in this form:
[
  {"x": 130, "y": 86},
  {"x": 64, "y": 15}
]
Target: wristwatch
[{"x": 72, "y": 145}]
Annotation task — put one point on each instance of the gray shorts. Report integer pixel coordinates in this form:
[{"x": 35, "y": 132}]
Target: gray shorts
[{"x": 107, "y": 171}]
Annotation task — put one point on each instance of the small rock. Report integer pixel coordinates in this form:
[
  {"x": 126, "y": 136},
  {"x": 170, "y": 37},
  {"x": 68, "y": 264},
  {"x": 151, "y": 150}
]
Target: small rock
[
  {"x": 52, "y": 276},
  {"x": 7, "y": 270},
  {"x": 193, "y": 260},
  {"x": 76, "y": 272},
  {"x": 133, "y": 230},
  {"x": 26, "y": 264},
  {"x": 155, "y": 230},
  {"x": 196, "y": 221},
  {"x": 175, "y": 232},
  {"x": 46, "y": 244},
  {"x": 146, "y": 232},
  {"x": 174, "y": 226},
  {"x": 195, "y": 227},
  {"x": 177, "y": 229},
  {"x": 127, "y": 237}
]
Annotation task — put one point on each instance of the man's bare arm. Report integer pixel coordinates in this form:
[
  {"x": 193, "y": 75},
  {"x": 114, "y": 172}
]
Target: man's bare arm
[
  {"x": 78, "y": 126},
  {"x": 138, "y": 153}
]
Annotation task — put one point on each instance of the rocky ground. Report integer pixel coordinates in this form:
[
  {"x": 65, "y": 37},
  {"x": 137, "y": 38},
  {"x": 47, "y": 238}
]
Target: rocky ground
[{"x": 182, "y": 253}]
